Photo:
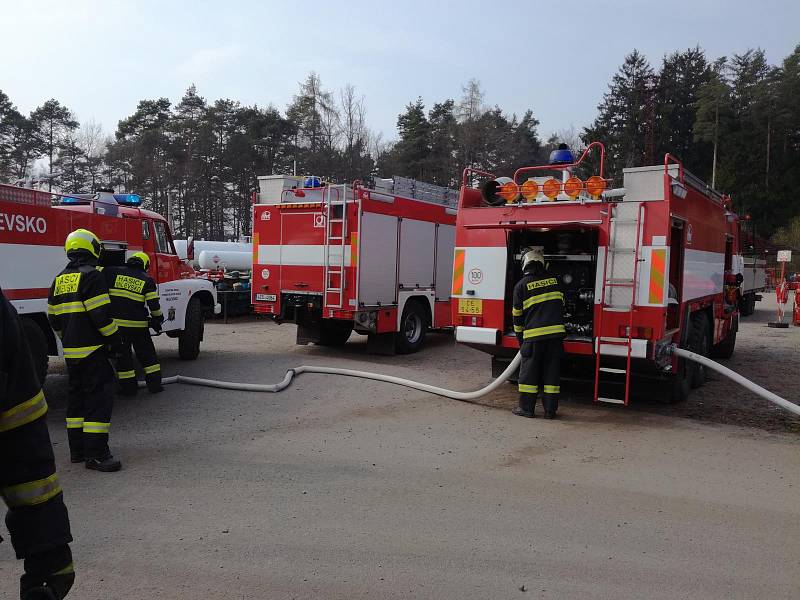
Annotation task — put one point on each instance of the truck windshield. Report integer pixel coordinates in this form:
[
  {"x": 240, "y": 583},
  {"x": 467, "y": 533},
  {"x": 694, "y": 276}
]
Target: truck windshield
[{"x": 163, "y": 240}]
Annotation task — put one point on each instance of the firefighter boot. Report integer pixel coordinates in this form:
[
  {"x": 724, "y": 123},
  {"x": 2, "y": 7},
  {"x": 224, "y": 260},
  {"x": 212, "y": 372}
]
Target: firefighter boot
[
  {"x": 107, "y": 464},
  {"x": 153, "y": 381},
  {"x": 527, "y": 402},
  {"x": 550, "y": 405}
]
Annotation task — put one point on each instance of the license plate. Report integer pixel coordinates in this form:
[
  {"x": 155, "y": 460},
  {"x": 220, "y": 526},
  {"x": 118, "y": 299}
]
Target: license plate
[
  {"x": 468, "y": 306},
  {"x": 266, "y": 297}
]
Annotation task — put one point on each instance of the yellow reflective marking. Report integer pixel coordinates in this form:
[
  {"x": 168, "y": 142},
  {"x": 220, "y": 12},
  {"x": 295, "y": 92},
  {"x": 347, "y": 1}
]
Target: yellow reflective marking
[
  {"x": 152, "y": 369},
  {"x": 23, "y": 413},
  {"x": 552, "y": 389},
  {"x": 151, "y": 296},
  {"x": 539, "y": 298},
  {"x": 109, "y": 329},
  {"x": 130, "y": 323},
  {"x": 32, "y": 492},
  {"x": 126, "y": 374},
  {"x": 517, "y": 312},
  {"x": 99, "y": 300},
  {"x": 126, "y": 294},
  {"x": 542, "y": 283},
  {"x": 528, "y": 389},
  {"x": 132, "y": 284},
  {"x": 539, "y": 331},
  {"x": 518, "y": 328},
  {"x": 66, "y": 284},
  {"x": 81, "y": 352},
  {"x": 74, "y": 422},
  {"x": 65, "y": 307},
  {"x": 95, "y": 427}
]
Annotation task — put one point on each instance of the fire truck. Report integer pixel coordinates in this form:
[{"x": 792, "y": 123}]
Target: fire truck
[
  {"x": 341, "y": 258},
  {"x": 33, "y": 227},
  {"x": 642, "y": 267}
]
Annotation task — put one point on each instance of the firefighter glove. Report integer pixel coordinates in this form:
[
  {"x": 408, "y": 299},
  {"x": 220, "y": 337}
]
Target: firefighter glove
[{"x": 155, "y": 323}]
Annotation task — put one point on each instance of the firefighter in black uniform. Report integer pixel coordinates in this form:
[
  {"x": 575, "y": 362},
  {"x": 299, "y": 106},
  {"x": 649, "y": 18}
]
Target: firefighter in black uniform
[
  {"x": 79, "y": 312},
  {"x": 539, "y": 324},
  {"x": 133, "y": 293},
  {"x": 37, "y": 518}
]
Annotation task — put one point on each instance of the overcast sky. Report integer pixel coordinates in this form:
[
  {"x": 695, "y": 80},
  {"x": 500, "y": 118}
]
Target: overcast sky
[{"x": 101, "y": 57}]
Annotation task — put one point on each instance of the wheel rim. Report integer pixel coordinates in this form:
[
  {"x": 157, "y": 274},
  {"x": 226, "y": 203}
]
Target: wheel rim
[{"x": 413, "y": 328}]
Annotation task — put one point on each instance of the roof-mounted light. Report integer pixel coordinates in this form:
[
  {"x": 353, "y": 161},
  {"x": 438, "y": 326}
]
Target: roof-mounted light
[
  {"x": 128, "y": 199},
  {"x": 562, "y": 156},
  {"x": 530, "y": 189}
]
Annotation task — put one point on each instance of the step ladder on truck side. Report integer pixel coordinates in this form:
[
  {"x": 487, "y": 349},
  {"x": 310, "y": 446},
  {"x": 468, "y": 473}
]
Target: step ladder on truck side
[
  {"x": 619, "y": 290},
  {"x": 335, "y": 202}
]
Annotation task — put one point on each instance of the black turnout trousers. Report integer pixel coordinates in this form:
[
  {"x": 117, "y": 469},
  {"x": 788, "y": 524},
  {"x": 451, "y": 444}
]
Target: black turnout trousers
[
  {"x": 138, "y": 340},
  {"x": 90, "y": 402},
  {"x": 540, "y": 370}
]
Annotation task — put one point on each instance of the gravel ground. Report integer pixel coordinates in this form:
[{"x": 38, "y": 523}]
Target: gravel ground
[{"x": 344, "y": 488}]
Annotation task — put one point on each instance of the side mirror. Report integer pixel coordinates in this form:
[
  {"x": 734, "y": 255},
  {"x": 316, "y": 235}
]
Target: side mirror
[
  {"x": 739, "y": 279},
  {"x": 190, "y": 248}
]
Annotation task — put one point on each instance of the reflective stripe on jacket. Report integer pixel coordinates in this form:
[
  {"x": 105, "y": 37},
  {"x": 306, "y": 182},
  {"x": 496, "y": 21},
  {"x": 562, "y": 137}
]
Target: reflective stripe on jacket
[
  {"x": 538, "y": 311},
  {"x": 78, "y": 308},
  {"x": 134, "y": 296}
]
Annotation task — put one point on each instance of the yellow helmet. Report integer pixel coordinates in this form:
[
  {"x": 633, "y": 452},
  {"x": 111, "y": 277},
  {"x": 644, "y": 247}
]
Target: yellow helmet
[
  {"x": 83, "y": 239},
  {"x": 140, "y": 256}
]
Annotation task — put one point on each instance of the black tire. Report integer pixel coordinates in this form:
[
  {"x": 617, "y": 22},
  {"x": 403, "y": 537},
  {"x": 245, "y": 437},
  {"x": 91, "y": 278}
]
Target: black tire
[
  {"x": 413, "y": 328},
  {"x": 699, "y": 342},
  {"x": 725, "y": 348},
  {"x": 680, "y": 383},
  {"x": 334, "y": 332},
  {"x": 192, "y": 334},
  {"x": 37, "y": 342},
  {"x": 748, "y": 305}
]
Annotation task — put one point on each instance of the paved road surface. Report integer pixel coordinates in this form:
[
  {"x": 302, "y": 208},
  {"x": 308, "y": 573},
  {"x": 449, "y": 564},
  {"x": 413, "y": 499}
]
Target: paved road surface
[{"x": 342, "y": 488}]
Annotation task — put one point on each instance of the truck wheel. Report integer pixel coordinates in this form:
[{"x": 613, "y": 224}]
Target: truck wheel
[
  {"x": 725, "y": 348},
  {"x": 37, "y": 342},
  {"x": 680, "y": 383},
  {"x": 698, "y": 343},
  {"x": 192, "y": 334},
  {"x": 748, "y": 305},
  {"x": 413, "y": 327},
  {"x": 334, "y": 332}
]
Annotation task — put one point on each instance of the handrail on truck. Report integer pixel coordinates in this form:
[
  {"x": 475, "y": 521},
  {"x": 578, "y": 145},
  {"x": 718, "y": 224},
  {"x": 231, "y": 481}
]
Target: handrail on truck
[
  {"x": 669, "y": 158},
  {"x": 567, "y": 166}
]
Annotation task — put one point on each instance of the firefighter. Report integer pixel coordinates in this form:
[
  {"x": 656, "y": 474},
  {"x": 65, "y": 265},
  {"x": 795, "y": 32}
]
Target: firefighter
[
  {"x": 134, "y": 293},
  {"x": 79, "y": 311},
  {"x": 539, "y": 325},
  {"x": 37, "y": 517}
]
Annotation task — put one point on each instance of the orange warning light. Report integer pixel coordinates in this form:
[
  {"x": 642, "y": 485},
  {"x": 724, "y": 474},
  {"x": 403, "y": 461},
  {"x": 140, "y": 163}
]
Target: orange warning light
[
  {"x": 551, "y": 188},
  {"x": 530, "y": 189},
  {"x": 509, "y": 191},
  {"x": 595, "y": 185},
  {"x": 573, "y": 187}
]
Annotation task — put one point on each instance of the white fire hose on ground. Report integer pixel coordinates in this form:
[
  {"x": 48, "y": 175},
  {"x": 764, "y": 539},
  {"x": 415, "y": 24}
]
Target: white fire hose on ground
[
  {"x": 292, "y": 373},
  {"x": 453, "y": 394},
  {"x": 743, "y": 381}
]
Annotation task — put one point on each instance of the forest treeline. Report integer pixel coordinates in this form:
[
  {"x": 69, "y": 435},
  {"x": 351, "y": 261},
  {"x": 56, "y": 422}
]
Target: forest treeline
[{"x": 734, "y": 121}]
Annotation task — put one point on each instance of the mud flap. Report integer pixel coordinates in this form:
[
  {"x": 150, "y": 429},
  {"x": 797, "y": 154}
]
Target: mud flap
[
  {"x": 310, "y": 333},
  {"x": 381, "y": 343}
]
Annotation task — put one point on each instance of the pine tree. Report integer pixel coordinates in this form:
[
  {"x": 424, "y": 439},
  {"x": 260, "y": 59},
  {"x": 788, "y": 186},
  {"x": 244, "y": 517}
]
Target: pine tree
[
  {"x": 53, "y": 123},
  {"x": 626, "y": 119}
]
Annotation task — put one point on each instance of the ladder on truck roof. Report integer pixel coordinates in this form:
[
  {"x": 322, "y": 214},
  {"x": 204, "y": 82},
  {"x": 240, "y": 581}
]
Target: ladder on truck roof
[
  {"x": 619, "y": 290},
  {"x": 334, "y": 198}
]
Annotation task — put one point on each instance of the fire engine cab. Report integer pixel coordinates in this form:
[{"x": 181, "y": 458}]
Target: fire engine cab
[
  {"x": 642, "y": 267},
  {"x": 33, "y": 227},
  {"x": 339, "y": 258}
]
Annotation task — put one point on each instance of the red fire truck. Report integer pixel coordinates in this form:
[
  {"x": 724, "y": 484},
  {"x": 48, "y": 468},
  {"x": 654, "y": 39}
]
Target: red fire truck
[
  {"x": 32, "y": 234},
  {"x": 642, "y": 267},
  {"x": 338, "y": 258}
]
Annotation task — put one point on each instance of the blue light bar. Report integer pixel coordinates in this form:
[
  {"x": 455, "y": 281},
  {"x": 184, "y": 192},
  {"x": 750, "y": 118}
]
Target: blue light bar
[
  {"x": 128, "y": 199},
  {"x": 312, "y": 182},
  {"x": 562, "y": 156},
  {"x": 73, "y": 200}
]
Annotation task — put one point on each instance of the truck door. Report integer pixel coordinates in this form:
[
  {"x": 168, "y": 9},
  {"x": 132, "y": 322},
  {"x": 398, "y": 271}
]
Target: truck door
[{"x": 167, "y": 262}]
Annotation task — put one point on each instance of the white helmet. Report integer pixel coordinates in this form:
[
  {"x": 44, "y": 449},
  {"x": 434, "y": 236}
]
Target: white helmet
[{"x": 531, "y": 256}]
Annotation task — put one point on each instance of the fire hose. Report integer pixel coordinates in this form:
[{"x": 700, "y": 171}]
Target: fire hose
[{"x": 454, "y": 394}]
